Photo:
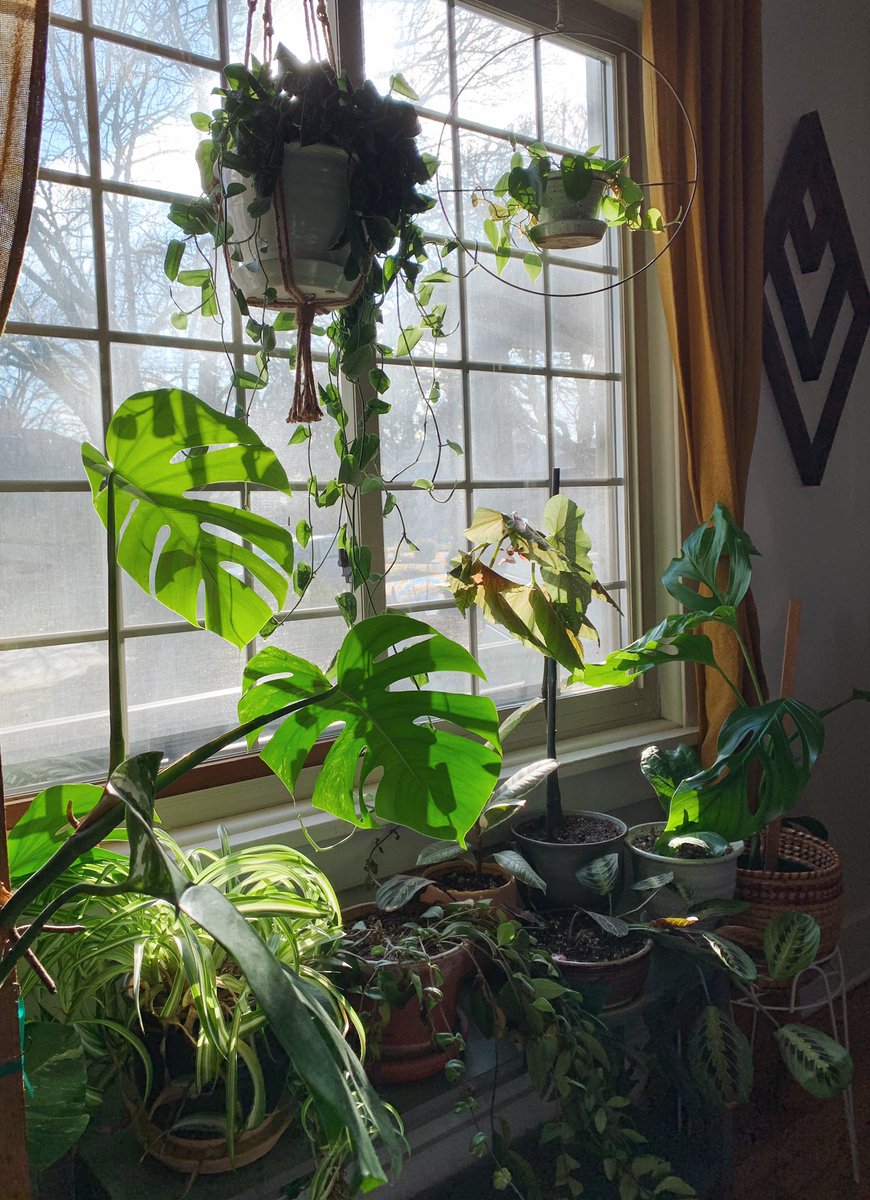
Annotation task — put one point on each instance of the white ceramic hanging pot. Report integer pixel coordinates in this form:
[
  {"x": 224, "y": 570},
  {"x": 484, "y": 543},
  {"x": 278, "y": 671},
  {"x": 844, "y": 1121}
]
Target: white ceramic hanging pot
[
  {"x": 565, "y": 224},
  {"x": 291, "y": 247}
]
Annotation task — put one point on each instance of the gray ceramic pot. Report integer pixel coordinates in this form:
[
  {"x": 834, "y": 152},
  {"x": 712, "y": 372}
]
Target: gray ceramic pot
[
  {"x": 558, "y": 863},
  {"x": 699, "y": 878}
]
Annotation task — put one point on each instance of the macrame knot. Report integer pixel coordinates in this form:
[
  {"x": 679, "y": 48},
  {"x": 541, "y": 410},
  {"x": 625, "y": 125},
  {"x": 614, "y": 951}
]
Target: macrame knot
[{"x": 305, "y": 408}]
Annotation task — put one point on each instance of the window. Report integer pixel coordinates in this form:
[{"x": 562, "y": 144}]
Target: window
[{"x": 527, "y": 382}]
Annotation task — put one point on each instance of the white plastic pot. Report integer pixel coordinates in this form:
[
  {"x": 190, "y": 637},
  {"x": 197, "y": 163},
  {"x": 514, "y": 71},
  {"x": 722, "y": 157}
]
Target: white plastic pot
[
  {"x": 291, "y": 247},
  {"x": 700, "y": 878},
  {"x": 565, "y": 224}
]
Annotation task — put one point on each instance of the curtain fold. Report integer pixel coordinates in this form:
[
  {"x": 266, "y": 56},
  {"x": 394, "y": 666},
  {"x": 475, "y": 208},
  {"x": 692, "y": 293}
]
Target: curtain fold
[
  {"x": 23, "y": 43},
  {"x": 712, "y": 277}
]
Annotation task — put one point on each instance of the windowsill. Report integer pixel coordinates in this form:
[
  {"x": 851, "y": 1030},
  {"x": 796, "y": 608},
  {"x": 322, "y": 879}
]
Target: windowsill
[{"x": 254, "y": 811}]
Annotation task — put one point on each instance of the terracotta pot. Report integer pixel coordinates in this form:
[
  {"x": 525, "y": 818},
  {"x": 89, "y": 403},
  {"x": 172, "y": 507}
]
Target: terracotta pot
[
  {"x": 558, "y": 863},
  {"x": 700, "y": 878},
  {"x": 502, "y": 895},
  {"x": 407, "y": 1044},
  {"x": 624, "y": 978},
  {"x": 817, "y": 889},
  {"x": 203, "y": 1155}
]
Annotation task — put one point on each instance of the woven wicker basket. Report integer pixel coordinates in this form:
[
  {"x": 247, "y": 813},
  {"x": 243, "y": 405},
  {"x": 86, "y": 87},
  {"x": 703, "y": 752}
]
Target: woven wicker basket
[{"x": 817, "y": 891}]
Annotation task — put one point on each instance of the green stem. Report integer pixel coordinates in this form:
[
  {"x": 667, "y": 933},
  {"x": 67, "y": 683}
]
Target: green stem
[
  {"x": 734, "y": 688},
  {"x": 117, "y": 741},
  {"x": 747, "y": 658},
  {"x": 91, "y": 833},
  {"x": 826, "y": 712}
]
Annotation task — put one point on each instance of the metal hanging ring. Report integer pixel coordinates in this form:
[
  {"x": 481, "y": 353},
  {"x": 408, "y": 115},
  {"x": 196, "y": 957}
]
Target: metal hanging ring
[{"x": 582, "y": 36}]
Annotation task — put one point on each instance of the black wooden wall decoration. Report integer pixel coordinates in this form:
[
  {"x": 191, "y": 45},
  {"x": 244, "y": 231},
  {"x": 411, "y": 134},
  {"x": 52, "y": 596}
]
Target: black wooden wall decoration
[{"x": 807, "y": 168}]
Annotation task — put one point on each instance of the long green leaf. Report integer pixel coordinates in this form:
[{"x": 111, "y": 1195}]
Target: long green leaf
[
  {"x": 45, "y": 824},
  {"x": 161, "y": 446},
  {"x": 434, "y": 780}
]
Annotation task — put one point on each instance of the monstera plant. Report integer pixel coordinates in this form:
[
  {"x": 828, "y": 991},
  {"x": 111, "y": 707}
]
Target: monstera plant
[
  {"x": 776, "y": 742},
  {"x": 163, "y": 450}
]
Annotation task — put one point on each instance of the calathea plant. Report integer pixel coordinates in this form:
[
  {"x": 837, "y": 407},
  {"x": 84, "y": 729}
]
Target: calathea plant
[
  {"x": 779, "y": 740},
  {"x": 163, "y": 451}
]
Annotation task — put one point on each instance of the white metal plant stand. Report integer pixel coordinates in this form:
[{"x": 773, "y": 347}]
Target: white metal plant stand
[{"x": 819, "y": 986}]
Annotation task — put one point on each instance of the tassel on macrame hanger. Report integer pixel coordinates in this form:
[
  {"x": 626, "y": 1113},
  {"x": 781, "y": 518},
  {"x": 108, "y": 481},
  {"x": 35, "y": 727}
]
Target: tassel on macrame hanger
[{"x": 305, "y": 408}]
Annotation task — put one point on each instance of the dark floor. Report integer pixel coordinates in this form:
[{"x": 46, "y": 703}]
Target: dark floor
[{"x": 789, "y": 1146}]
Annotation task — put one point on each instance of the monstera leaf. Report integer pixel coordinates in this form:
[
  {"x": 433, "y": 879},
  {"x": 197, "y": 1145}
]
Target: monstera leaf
[
  {"x": 316, "y": 1047},
  {"x": 713, "y": 546},
  {"x": 160, "y": 447},
  {"x": 783, "y": 739},
  {"x": 665, "y": 769},
  {"x": 549, "y": 612},
  {"x": 434, "y": 780},
  {"x": 675, "y": 639}
]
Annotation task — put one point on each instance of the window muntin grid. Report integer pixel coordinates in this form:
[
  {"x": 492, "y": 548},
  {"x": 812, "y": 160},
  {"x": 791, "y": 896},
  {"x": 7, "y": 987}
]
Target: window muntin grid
[{"x": 90, "y": 325}]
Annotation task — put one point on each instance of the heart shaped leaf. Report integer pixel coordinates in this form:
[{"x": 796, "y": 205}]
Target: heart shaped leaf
[
  {"x": 434, "y": 780},
  {"x": 161, "y": 448}
]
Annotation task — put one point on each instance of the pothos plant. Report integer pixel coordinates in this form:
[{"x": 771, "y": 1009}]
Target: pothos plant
[
  {"x": 262, "y": 110},
  {"x": 514, "y": 204},
  {"x": 164, "y": 450},
  {"x": 774, "y": 743}
]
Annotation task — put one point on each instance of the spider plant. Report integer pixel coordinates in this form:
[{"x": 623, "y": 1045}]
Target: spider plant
[{"x": 139, "y": 966}]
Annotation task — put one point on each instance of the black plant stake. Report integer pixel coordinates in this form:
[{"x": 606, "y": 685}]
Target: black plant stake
[{"x": 554, "y": 794}]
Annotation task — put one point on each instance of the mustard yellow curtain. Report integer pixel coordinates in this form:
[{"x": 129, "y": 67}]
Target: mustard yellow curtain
[
  {"x": 23, "y": 40},
  {"x": 712, "y": 277}
]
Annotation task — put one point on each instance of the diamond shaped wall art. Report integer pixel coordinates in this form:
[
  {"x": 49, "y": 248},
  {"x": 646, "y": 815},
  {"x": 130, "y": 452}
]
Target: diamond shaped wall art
[{"x": 807, "y": 170}]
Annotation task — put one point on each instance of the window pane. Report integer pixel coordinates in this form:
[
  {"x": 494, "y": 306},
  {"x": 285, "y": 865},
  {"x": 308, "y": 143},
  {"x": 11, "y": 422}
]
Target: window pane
[
  {"x": 509, "y": 425},
  {"x": 436, "y": 528},
  {"x": 182, "y": 690},
  {"x": 48, "y": 291},
  {"x": 64, "y": 142},
  {"x": 145, "y": 103},
  {"x": 49, "y": 405},
  {"x": 583, "y": 427},
  {"x": 410, "y": 430},
  {"x": 409, "y": 36},
  {"x": 582, "y": 327},
  {"x": 505, "y": 323},
  {"x": 494, "y": 66},
  {"x": 53, "y": 577},
  {"x": 183, "y": 24},
  {"x": 54, "y": 720},
  {"x": 321, "y": 552},
  {"x": 573, "y": 93}
]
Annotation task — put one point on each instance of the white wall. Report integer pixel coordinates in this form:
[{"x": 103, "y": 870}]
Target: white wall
[{"x": 816, "y": 540}]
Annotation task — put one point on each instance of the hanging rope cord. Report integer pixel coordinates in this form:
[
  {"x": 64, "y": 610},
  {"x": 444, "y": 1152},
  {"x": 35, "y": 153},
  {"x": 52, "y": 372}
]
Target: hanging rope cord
[{"x": 304, "y": 408}]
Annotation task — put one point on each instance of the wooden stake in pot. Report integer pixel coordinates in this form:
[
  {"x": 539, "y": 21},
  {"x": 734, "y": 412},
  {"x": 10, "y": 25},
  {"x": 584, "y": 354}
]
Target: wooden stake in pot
[{"x": 786, "y": 689}]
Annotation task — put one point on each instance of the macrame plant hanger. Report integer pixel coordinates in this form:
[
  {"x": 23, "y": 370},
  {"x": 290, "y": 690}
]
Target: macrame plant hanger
[{"x": 304, "y": 408}]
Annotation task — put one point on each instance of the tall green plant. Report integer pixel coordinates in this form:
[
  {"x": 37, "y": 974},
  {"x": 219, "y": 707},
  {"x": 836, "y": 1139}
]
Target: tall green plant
[
  {"x": 775, "y": 743},
  {"x": 159, "y": 448}
]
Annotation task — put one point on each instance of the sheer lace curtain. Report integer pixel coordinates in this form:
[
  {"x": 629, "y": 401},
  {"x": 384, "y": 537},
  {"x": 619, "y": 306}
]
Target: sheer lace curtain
[
  {"x": 712, "y": 278},
  {"x": 23, "y": 39}
]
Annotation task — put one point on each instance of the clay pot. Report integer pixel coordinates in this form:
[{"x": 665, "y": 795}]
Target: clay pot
[
  {"x": 502, "y": 895},
  {"x": 624, "y": 978},
  {"x": 202, "y": 1155},
  {"x": 408, "y": 1052}
]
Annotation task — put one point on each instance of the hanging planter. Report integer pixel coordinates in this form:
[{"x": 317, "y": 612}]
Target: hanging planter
[
  {"x": 311, "y": 196},
  {"x": 287, "y": 257}
]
